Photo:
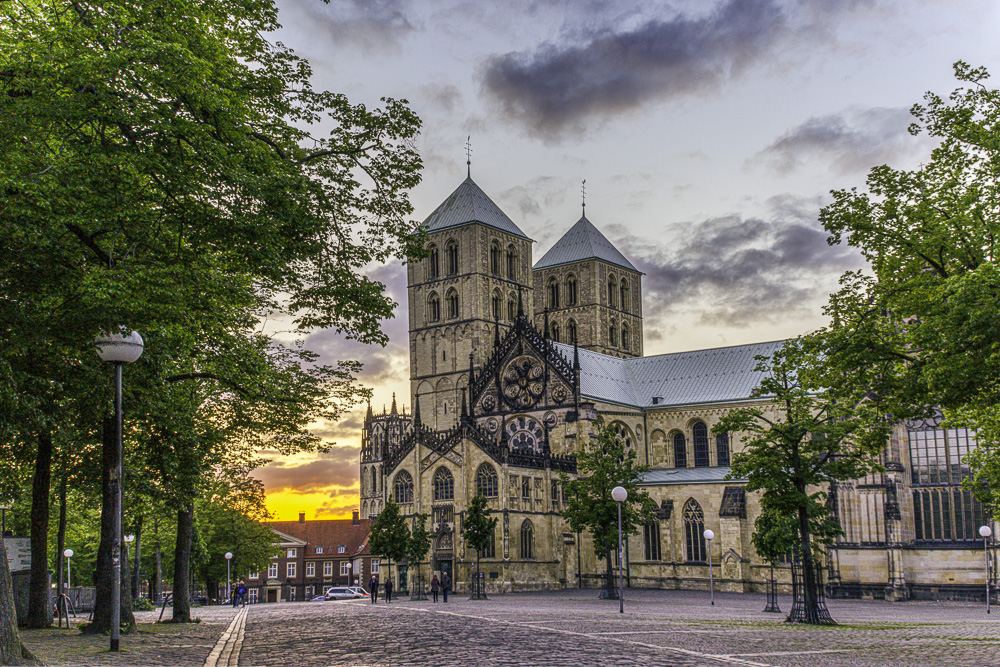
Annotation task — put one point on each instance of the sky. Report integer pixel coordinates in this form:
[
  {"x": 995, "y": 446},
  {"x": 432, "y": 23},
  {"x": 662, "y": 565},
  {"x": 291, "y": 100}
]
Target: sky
[{"x": 710, "y": 134}]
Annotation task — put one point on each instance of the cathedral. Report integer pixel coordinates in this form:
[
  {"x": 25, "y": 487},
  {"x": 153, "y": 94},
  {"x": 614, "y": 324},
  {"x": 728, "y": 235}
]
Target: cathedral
[{"x": 511, "y": 362}]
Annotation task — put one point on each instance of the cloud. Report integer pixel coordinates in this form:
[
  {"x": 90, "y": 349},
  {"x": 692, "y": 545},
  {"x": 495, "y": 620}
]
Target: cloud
[
  {"x": 853, "y": 140},
  {"x": 735, "y": 271},
  {"x": 445, "y": 97},
  {"x": 556, "y": 87},
  {"x": 338, "y": 468},
  {"x": 372, "y": 26}
]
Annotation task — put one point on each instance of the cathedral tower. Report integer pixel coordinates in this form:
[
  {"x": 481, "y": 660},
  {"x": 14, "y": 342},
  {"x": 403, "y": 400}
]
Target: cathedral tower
[
  {"x": 592, "y": 293},
  {"x": 477, "y": 273}
]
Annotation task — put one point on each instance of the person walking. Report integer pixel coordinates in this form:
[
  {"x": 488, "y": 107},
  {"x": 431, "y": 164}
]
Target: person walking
[
  {"x": 388, "y": 590},
  {"x": 241, "y": 595},
  {"x": 373, "y": 588},
  {"x": 445, "y": 585},
  {"x": 435, "y": 586}
]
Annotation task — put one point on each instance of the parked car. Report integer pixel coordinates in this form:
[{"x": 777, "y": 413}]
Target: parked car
[
  {"x": 317, "y": 598},
  {"x": 360, "y": 590},
  {"x": 343, "y": 593}
]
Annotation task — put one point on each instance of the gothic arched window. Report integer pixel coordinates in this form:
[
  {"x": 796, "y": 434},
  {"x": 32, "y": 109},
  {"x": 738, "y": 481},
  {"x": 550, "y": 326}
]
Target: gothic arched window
[
  {"x": 571, "y": 331},
  {"x": 402, "y": 488},
  {"x": 722, "y": 448},
  {"x": 699, "y": 438},
  {"x": 495, "y": 258},
  {"x": 497, "y": 305},
  {"x": 452, "y": 252},
  {"x": 433, "y": 263},
  {"x": 623, "y": 290},
  {"x": 680, "y": 451},
  {"x": 624, "y": 433},
  {"x": 554, "y": 332},
  {"x": 444, "y": 485},
  {"x": 571, "y": 290},
  {"x": 612, "y": 292},
  {"x": 651, "y": 540},
  {"x": 553, "y": 293},
  {"x": 625, "y": 337},
  {"x": 613, "y": 334},
  {"x": 452, "y": 304},
  {"x": 527, "y": 540},
  {"x": 511, "y": 307},
  {"x": 511, "y": 262},
  {"x": 433, "y": 308},
  {"x": 694, "y": 531},
  {"x": 486, "y": 481}
]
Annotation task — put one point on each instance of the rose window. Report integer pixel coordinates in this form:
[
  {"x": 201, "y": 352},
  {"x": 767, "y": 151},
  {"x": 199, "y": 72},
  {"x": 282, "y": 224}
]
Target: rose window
[{"x": 523, "y": 382}]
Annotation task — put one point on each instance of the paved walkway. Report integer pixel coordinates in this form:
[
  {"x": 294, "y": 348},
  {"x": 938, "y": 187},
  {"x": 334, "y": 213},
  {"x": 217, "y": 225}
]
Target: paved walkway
[{"x": 561, "y": 628}]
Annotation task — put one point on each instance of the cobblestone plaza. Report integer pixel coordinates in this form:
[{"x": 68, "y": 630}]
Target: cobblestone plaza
[{"x": 552, "y": 628}]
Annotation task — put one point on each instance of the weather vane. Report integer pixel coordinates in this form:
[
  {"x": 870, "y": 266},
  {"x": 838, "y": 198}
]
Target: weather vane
[
  {"x": 468, "y": 155},
  {"x": 583, "y": 195}
]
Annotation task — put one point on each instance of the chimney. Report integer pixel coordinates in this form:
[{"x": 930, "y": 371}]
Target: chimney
[
  {"x": 302, "y": 517},
  {"x": 354, "y": 518}
]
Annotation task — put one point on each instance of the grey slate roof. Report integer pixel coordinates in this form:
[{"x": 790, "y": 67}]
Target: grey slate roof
[
  {"x": 467, "y": 204},
  {"x": 583, "y": 241},
  {"x": 683, "y": 378},
  {"x": 668, "y": 476}
]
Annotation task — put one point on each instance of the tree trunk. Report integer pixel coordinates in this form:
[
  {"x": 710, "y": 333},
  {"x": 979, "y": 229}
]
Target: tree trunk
[
  {"x": 609, "y": 592},
  {"x": 12, "y": 651},
  {"x": 182, "y": 565},
  {"x": 136, "y": 561},
  {"x": 157, "y": 583},
  {"x": 61, "y": 546},
  {"x": 39, "y": 593},
  {"x": 102, "y": 568},
  {"x": 809, "y": 583}
]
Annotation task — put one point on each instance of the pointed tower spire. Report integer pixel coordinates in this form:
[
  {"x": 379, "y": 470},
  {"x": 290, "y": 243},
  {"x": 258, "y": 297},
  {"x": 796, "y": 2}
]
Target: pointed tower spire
[
  {"x": 416, "y": 411},
  {"x": 465, "y": 408},
  {"x": 576, "y": 374},
  {"x": 583, "y": 198},
  {"x": 468, "y": 156},
  {"x": 394, "y": 404},
  {"x": 369, "y": 416}
]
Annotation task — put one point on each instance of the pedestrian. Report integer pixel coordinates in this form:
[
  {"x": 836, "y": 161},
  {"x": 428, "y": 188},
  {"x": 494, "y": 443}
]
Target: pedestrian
[
  {"x": 241, "y": 592},
  {"x": 445, "y": 585},
  {"x": 388, "y": 590},
  {"x": 373, "y": 588},
  {"x": 435, "y": 585},
  {"x": 234, "y": 596}
]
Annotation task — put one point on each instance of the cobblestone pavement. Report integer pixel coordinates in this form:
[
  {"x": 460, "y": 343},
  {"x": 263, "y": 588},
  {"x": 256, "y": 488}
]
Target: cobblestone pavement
[{"x": 561, "y": 628}]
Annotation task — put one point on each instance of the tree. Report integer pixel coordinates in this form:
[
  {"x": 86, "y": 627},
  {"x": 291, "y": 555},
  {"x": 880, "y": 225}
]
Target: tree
[
  {"x": 390, "y": 536},
  {"x": 918, "y": 333},
  {"x": 416, "y": 550},
  {"x": 603, "y": 464},
  {"x": 793, "y": 448},
  {"x": 477, "y": 528}
]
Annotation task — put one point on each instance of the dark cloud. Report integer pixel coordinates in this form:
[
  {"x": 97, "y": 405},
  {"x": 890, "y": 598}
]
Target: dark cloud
[
  {"x": 373, "y": 26},
  {"x": 556, "y": 86},
  {"x": 854, "y": 140},
  {"x": 735, "y": 271},
  {"x": 338, "y": 468}
]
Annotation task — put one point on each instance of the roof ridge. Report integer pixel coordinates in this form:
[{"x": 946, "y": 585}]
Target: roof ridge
[
  {"x": 581, "y": 242},
  {"x": 468, "y": 204}
]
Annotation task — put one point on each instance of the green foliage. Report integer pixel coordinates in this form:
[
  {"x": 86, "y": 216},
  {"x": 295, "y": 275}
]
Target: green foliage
[
  {"x": 921, "y": 333},
  {"x": 478, "y": 525},
  {"x": 390, "y": 535},
  {"x": 142, "y": 604},
  {"x": 602, "y": 465},
  {"x": 420, "y": 540}
]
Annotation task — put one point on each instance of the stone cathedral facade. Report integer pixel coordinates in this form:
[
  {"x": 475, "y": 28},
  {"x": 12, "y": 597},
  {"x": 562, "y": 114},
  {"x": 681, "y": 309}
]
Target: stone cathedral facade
[{"x": 512, "y": 361}]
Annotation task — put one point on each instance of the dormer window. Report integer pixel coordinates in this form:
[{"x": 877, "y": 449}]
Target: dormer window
[
  {"x": 319, "y": 550},
  {"x": 341, "y": 549}
]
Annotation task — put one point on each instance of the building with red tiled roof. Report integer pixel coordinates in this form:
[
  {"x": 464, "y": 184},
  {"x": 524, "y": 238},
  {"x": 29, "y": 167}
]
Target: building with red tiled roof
[{"x": 314, "y": 555}]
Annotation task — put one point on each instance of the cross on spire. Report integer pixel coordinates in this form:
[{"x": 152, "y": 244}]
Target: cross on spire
[
  {"x": 468, "y": 155},
  {"x": 583, "y": 195}
]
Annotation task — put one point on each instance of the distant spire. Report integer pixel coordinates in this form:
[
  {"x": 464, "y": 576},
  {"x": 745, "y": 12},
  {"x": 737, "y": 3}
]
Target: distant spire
[
  {"x": 394, "y": 403},
  {"x": 576, "y": 373},
  {"x": 468, "y": 155},
  {"x": 416, "y": 411},
  {"x": 368, "y": 416},
  {"x": 583, "y": 195},
  {"x": 465, "y": 408}
]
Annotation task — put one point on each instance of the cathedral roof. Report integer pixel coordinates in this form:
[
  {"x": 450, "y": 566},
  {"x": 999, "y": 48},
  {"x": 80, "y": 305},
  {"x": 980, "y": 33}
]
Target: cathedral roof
[
  {"x": 683, "y": 378},
  {"x": 583, "y": 241},
  {"x": 468, "y": 204}
]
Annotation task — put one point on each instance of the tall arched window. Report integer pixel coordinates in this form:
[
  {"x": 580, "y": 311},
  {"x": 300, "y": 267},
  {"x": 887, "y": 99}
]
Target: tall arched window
[
  {"x": 699, "y": 438},
  {"x": 433, "y": 263},
  {"x": 722, "y": 448},
  {"x": 680, "y": 451},
  {"x": 612, "y": 292},
  {"x": 495, "y": 262},
  {"x": 553, "y": 293},
  {"x": 497, "y": 305},
  {"x": 625, "y": 337},
  {"x": 452, "y": 252},
  {"x": 623, "y": 290},
  {"x": 511, "y": 262},
  {"x": 571, "y": 290},
  {"x": 433, "y": 308},
  {"x": 374, "y": 481},
  {"x": 402, "y": 488},
  {"x": 554, "y": 332},
  {"x": 694, "y": 531},
  {"x": 486, "y": 481},
  {"x": 444, "y": 485},
  {"x": 571, "y": 331},
  {"x": 452, "y": 304},
  {"x": 651, "y": 540},
  {"x": 613, "y": 334},
  {"x": 527, "y": 540},
  {"x": 511, "y": 307}
]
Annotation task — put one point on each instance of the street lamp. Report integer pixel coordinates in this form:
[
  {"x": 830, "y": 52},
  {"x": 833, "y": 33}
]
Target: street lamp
[
  {"x": 619, "y": 494},
  {"x": 709, "y": 535},
  {"x": 229, "y": 557},
  {"x": 118, "y": 349},
  {"x": 349, "y": 566},
  {"x": 69, "y": 579},
  {"x": 986, "y": 531}
]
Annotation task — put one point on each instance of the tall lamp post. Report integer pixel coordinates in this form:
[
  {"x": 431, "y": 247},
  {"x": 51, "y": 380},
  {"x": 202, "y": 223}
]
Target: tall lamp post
[
  {"x": 69, "y": 579},
  {"x": 229, "y": 557},
  {"x": 118, "y": 349},
  {"x": 709, "y": 535},
  {"x": 349, "y": 567},
  {"x": 619, "y": 494},
  {"x": 986, "y": 531}
]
